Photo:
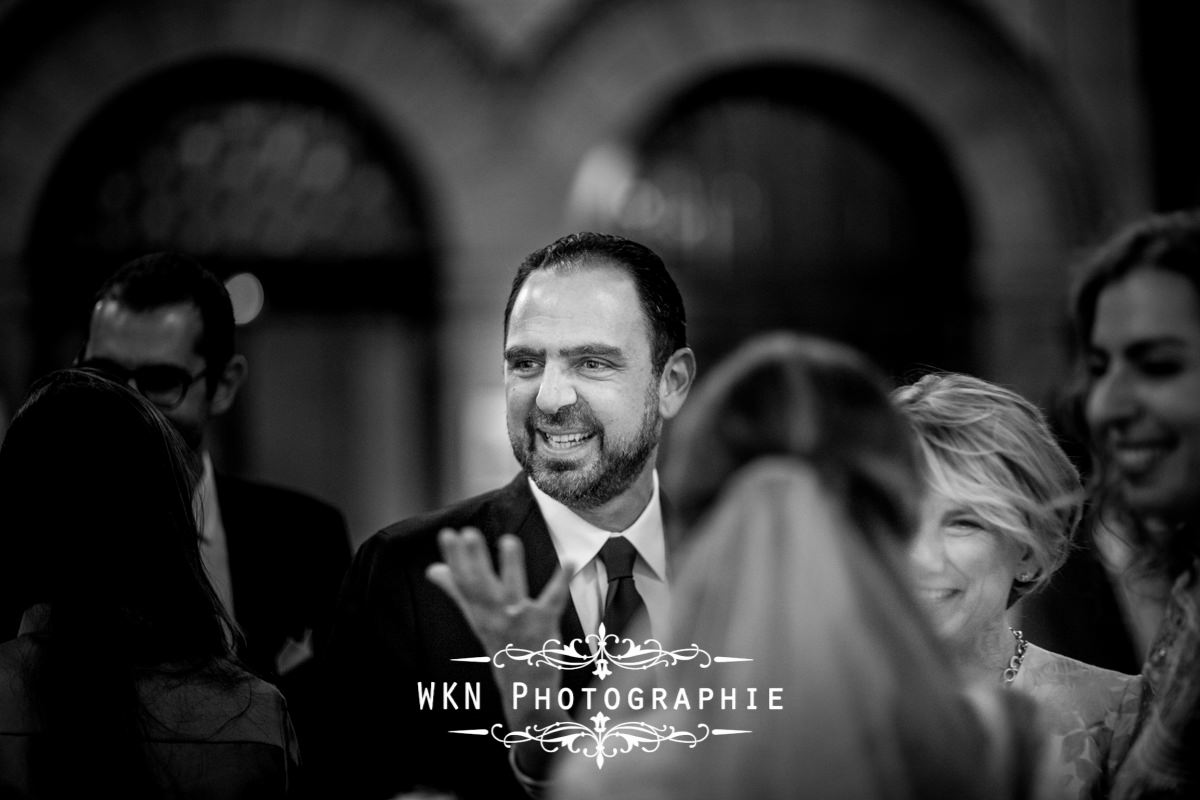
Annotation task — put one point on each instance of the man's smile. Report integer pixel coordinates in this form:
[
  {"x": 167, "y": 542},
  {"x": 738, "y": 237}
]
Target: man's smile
[{"x": 561, "y": 443}]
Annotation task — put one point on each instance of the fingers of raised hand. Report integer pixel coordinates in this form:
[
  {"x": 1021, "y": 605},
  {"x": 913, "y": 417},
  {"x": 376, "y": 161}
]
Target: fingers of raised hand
[
  {"x": 498, "y": 606},
  {"x": 470, "y": 566},
  {"x": 471, "y": 560},
  {"x": 537, "y": 619},
  {"x": 512, "y": 570},
  {"x": 442, "y": 577}
]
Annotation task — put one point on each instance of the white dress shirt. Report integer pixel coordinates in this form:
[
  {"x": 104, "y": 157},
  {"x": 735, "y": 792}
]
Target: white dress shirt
[
  {"x": 578, "y": 542},
  {"x": 213, "y": 551}
]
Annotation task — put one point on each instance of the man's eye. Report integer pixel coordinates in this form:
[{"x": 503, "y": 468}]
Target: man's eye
[{"x": 523, "y": 365}]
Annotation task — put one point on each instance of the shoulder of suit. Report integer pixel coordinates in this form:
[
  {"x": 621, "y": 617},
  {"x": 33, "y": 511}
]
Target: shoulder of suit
[
  {"x": 235, "y": 488},
  {"x": 484, "y": 511}
]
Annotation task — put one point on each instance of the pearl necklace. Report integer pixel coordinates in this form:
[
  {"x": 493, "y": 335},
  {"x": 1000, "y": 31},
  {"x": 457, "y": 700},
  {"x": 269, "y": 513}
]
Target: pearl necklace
[{"x": 1014, "y": 664}]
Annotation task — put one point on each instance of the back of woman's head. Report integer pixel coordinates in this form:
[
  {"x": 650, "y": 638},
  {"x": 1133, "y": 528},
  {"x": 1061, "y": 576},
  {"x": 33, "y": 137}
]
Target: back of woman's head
[
  {"x": 783, "y": 394},
  {"x": 856, "y": 698},
  {"x": 97, "y": 492},
  {"x": 797, "y": 481},
  {"x": 990, "y": 449}
]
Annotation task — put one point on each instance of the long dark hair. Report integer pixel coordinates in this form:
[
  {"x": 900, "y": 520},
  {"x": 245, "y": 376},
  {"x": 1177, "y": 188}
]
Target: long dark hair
[{"x": 101, "y": 537}]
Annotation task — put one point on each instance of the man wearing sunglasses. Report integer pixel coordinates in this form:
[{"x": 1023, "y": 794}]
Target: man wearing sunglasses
[
  {"x": 148, "y": 330},
  {"x": 164, "y": 325}
]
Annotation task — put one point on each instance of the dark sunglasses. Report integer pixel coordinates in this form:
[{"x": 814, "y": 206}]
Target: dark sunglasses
[{"x": 163, "y": 385}]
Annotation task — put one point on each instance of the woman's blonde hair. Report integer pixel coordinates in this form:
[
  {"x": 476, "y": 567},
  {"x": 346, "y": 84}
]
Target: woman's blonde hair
[{"x": 989, "y": 448}]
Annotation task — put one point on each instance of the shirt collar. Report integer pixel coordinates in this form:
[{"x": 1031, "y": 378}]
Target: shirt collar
[
  {"x": 205, "y": 499},
  {"x": 578, "y": 541}
]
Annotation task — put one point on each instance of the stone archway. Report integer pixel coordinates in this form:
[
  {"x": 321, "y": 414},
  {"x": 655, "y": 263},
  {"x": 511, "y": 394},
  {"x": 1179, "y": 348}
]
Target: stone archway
[
  {"x": 285, "y": 180},
  {"x": 788, "y": 196},
  {"x": 1033, "y": 192}
]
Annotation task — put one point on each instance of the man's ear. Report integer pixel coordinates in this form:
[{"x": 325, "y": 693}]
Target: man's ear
[
  {"x": 676, "y": 381},
  {"x": 228, "y": 383}
]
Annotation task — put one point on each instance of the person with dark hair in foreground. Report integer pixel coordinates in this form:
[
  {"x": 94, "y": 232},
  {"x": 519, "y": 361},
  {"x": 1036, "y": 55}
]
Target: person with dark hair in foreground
[
  {"x": 123, "y": 678},
  {"x": 1136, "y": 310},
  {"x": 164, "y": 325}
]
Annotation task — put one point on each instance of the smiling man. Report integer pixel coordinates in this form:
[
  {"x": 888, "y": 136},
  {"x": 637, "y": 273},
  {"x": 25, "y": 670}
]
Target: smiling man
[
  {"x": 583, "y": 405},
  {"x": 595, "y": 359}
]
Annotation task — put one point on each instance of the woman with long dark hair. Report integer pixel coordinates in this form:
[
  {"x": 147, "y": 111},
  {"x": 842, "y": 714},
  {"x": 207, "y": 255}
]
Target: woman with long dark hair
[
  {"x": 1136, "y": 311},
  {"x": 122, "y": 677}
]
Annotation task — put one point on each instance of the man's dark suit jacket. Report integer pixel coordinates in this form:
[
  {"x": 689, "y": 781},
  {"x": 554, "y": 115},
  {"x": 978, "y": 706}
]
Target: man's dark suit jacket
[
  {"x": 394, "y": 629},
  {"x": 288, "y": 553}
]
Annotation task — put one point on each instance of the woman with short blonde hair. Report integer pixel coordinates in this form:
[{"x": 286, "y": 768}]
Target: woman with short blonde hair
[{"x": 1002, "y": 503}]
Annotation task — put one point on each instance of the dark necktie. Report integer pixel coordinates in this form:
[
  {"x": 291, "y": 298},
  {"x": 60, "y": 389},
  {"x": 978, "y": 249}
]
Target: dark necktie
[{"x": 622, "y": 601}]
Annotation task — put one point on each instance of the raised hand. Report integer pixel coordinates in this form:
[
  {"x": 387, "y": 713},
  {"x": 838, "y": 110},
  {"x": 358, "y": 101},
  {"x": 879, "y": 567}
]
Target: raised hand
[
  {"x": 498, "y": 606},
  {"x": 501, "y": 612}
]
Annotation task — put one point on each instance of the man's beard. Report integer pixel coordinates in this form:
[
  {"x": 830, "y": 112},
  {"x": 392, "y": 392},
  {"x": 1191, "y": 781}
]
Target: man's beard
[{"x": 590, "y": 484}]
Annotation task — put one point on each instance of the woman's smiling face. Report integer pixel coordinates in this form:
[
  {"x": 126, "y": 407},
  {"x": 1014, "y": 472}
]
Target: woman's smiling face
[
  {"x": 1143, "y": 404},
  {"x": 962, "y": 570}
]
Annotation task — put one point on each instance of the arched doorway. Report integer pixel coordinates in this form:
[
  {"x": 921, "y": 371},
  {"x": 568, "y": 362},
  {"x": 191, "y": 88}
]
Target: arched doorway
[
  {"x": 257, "y": 169},
  {"x": 786, "y": 195}
]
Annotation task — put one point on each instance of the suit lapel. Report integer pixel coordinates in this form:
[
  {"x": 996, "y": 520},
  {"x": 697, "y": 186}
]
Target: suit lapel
[{"x": 517, "y": 512}]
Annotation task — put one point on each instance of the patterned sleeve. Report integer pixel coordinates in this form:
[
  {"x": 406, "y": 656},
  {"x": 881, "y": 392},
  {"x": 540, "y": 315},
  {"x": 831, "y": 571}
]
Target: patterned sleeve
[
  {"x": 1161, "y": 762},
  {"x": 1122, "y": 724}
]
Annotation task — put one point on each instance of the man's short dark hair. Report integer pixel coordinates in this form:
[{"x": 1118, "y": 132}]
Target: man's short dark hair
[
  {"x": 659, "y": 297},
  {"x": 161, "y": 279}
]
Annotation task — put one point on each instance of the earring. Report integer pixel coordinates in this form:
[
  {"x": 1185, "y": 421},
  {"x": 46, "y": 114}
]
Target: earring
[{"x": 1024, "y": 577}]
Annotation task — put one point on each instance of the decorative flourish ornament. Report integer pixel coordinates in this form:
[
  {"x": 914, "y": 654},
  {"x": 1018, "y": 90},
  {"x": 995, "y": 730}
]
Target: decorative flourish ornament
[
  {"x": 600, "y": 653},
  {"x": 600, "y": 742}
]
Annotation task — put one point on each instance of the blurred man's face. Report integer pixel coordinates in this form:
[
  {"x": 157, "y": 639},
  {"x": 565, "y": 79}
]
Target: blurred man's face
[{"x": 158, "y": 343}]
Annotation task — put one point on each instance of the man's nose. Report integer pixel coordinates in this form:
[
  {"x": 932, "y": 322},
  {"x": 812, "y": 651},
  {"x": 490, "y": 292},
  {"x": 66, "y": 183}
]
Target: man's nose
[{"x": 556, "y": 390}]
